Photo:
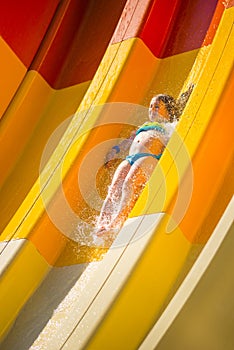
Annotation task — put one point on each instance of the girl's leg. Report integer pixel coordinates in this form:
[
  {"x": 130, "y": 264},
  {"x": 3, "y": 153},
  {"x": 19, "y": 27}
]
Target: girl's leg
[
  {"x": 114, "y": 194},
  {"x": 133, "y": 186}
]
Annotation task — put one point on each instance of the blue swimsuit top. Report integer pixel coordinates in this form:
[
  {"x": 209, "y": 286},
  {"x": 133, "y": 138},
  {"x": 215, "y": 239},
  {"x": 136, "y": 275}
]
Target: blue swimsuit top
[{"x": 152, "y": 126}]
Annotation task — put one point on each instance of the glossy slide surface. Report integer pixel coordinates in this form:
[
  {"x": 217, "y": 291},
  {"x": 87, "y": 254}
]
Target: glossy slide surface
[{"x": 90, "y": 75}]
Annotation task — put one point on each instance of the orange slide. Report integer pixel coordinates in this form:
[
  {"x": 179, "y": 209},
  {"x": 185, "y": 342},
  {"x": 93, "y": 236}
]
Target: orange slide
[{"x": 77, "y": 75}]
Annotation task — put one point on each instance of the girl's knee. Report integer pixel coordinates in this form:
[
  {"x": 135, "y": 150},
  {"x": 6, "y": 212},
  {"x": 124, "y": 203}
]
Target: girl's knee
[
  {"x": 122, "y": 170},
  {"x": 126, "y": 188},
  {"x": 134, "y": 183}
]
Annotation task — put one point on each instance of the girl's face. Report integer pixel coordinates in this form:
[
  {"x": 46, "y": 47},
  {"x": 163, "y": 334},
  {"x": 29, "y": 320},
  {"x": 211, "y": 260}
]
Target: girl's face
[{"x": 158, "y": 111}]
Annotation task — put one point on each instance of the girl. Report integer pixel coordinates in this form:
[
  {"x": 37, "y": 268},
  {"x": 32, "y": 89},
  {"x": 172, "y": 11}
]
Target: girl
[{"x": 146, "y": 146}]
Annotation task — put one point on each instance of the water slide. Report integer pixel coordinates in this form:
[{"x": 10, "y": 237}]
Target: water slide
[{"x": 77, "y": 75}]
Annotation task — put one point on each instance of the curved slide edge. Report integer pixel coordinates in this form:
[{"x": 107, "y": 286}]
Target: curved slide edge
[
  {"x": 19, "y": 43},
  {"x": 22, "y": 269},
  {"x": 203, "y": 304}
]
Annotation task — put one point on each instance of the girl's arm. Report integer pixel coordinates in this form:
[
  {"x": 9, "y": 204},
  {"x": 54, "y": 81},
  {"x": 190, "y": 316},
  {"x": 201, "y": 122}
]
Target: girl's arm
[{"x": 121, "y": 148}]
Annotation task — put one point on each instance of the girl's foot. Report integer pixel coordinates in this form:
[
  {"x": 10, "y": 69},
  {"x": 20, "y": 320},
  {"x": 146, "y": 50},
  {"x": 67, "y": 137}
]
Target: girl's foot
[
  {"x": 104, "y": 236},
  {"x": 101, "y": 231}
]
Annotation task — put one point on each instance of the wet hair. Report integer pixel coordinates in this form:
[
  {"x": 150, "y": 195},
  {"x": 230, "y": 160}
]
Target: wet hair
[
  {"x": 183, "y": 98},
  {"x": 175, "y": 107},
  {"x": 171, "y": 106}
]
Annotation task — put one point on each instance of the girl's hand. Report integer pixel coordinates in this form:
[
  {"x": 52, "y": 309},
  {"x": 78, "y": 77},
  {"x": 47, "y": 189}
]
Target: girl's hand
[
  {"x": 111, "y": 154},
  {"x": 121, "y": 148}
]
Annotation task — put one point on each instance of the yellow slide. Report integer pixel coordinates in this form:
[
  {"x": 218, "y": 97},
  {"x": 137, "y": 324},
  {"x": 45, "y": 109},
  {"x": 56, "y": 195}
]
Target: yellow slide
[{"x": 84, "y": 81}]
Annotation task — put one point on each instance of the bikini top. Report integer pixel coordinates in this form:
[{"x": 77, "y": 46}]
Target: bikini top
[{"x": 152, "y": 126}]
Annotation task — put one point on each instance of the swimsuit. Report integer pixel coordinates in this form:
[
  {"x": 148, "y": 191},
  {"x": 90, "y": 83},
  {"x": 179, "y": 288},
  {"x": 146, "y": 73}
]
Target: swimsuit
[
  {"x": 134, "y": 157},
  {"x": 145, "y": 127},
  {"x": 152, "y": 126}
]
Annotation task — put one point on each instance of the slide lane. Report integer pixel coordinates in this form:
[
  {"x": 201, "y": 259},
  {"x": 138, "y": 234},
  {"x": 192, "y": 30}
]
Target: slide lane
[
  {"x": 133, "y": 51},
  {"x": 46, "y": 96}
]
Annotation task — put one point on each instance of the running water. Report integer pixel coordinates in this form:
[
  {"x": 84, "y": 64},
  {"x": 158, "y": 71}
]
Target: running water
[{"x": 85, "y": 234}]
